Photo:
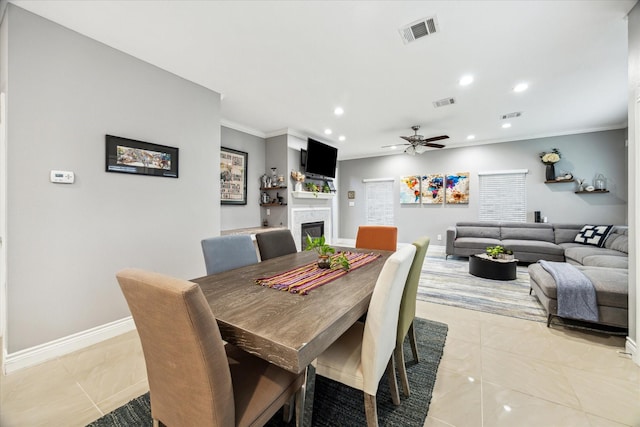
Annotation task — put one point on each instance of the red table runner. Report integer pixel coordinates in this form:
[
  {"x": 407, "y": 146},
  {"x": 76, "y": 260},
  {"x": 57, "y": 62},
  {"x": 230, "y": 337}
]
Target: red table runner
[{"x": 303, "y": 279}]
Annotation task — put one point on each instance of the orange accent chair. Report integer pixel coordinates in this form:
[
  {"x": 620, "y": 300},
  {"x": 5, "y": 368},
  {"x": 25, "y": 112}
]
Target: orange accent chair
[{"x": 382, "y": 237}]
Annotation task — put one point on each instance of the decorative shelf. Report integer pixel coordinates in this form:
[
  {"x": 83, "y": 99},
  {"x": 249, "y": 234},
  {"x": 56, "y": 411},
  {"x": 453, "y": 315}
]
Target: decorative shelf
[
  {"x": 591, "y": 192},
  {"x": 273, "y": 204},
  {"x": 312, "y": 195},
  {"x": 272, "y": 188},
  {"x": 559, "y": 181}
]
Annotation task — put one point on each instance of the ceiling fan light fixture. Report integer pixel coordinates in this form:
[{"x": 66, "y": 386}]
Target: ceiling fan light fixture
[
  {"x": 420, "y": 149},
  {"x": 411, "y": 150}
]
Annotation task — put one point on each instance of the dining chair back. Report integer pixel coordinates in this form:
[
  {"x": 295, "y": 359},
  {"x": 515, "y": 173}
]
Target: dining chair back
[
  {"x": 224, "y": 253},
  {"x": 408, "y": 311},
  {"x": 276, "y": 243},
  {"x": 382, "y": 237},
  {"x": 194, "y": 378},
  {"x": 360, "y": 357}
]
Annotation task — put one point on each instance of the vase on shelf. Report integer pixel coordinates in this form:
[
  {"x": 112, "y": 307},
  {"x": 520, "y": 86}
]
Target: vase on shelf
[
  {"x": 550, "y": 172},
  {"x": 298, "y": 186}
]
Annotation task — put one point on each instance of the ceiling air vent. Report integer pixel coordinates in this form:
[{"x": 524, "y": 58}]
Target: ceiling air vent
[
  {"x": 443, "y": 102},
  {"x": 417, "y": 30},
  {"x": 511, "y": 115}
]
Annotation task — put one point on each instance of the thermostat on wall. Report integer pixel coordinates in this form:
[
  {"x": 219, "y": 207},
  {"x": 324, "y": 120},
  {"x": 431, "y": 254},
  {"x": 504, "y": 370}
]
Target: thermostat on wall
[{"x": 62, "y": 177}]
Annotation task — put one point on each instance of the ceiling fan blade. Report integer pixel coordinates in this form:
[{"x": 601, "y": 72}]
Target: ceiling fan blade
[
  {"x": 408, "y": 138},
  {"x": 430, "y": 144},
  {"x": 435, "y": 138}
]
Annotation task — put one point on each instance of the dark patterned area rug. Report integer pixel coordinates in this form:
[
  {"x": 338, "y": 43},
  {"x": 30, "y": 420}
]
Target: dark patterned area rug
[{"x": 336, "y": 404}]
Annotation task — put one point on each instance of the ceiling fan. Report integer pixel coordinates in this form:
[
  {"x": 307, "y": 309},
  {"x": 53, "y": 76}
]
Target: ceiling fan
[{"x": 418, "y": 144}]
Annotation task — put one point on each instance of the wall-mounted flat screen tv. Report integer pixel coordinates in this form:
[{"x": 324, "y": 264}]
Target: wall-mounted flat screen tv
[
  {"x": 321, "y": 159},
  {"x": 125, "y": 155}
]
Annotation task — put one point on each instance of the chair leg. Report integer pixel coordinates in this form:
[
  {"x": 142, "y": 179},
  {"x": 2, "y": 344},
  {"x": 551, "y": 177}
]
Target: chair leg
[
  {"x": 399, "y": 355},
  {"x": 156, "y": 423},
  {"x": 288, "y": 410},
  {"x": 412, "y": 341},
  {"x": 371, "y": 410},
  {"x": 530, "y": 290},
  {"x": 393, "y": 384}
]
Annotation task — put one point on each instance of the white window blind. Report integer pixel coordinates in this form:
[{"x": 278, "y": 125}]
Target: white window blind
[
  {"x": 503, "y": 196},
  {"x": 379, "y": 197}
]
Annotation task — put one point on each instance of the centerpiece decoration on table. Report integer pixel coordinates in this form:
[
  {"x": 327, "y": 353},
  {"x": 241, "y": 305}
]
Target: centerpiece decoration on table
[
  {"x": 325, "y": 252},
  {"x": 499, "y": 252},
  {"x": 550, "y": 159},
  {"x": 298, "y": 177}
]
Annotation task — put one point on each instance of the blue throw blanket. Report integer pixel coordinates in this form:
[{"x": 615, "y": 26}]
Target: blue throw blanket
[{"x": 576, "y": 294}]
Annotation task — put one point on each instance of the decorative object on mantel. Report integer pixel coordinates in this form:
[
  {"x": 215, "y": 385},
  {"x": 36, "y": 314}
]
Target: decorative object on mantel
[
  {"x": 550, "y": 159},
  {"x": 299, "y": 179}
]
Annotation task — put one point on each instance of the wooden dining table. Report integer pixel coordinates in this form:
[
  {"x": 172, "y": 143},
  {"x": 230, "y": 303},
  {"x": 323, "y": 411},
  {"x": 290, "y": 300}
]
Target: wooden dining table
[{"x": 286, "y": 329}]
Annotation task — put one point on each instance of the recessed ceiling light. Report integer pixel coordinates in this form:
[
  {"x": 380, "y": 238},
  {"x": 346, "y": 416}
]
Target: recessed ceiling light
[
  {"x": 506, "y": 125},
  {"x": 393, "y": 147},
  {"x": 466, "y": 80},
  {"x": 328, "y": 131},
  {"x": 470, "y": 137},
  {"x": 521, "y": 87},
  {"x": 338, "y": 111},
  {"x": 342, "y": 138}
]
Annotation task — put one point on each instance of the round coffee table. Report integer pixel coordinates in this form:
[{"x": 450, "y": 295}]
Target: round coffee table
[{"x": 484, "y": 266}]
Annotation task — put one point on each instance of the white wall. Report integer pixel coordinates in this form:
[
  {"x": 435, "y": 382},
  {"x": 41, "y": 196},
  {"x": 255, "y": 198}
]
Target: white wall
[
  {"x": 65, "y": 242},
  {"x": 584, "y": 154},
  {"x": 634, "y": 170}
]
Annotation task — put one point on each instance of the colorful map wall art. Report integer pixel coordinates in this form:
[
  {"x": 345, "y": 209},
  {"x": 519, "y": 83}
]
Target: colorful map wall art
[
  {"x": 433, "y": 189},
  {"x": 410, "y": 189},
  {"x": 457, "y": 191}
]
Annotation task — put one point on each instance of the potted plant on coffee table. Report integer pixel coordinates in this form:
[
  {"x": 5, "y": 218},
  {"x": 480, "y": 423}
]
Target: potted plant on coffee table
[{"x": 324, "y": 251}]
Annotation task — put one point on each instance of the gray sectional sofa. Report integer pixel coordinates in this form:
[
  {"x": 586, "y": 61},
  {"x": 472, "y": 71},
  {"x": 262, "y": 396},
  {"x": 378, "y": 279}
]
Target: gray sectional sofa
[{"x": 606, "y": 267}]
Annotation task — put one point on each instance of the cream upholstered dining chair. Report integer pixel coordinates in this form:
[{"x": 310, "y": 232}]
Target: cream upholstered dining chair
[
  {"x": 276, "y": 243},
  {"x": 408, "y": 311},
  {"x": 194, "y": 378},
  {"x": 224, "y": 253},
  {"x": 361, "y": 355},
  {"x": 382, "y": 237}
]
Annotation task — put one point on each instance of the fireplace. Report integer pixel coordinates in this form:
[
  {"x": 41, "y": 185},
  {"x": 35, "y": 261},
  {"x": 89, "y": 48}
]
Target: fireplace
[{"x": 313, "y": 229}]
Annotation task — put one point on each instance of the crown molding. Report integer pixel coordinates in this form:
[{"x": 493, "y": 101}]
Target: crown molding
[{"x": 242, "y": 128}]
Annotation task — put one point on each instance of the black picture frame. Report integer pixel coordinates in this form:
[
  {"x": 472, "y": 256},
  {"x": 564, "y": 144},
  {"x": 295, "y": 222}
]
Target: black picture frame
[
  {"x": 124, "y": 155},
  {"x": 233, "y": 176}
]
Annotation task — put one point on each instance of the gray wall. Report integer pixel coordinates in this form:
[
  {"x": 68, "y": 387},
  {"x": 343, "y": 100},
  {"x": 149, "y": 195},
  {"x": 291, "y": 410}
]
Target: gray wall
[
  {"x": 243, "y": 216},
  {"x": 634, "y": 161},
  {"x": 585, "y": 155},
  {"x": 65, "y": 242}
]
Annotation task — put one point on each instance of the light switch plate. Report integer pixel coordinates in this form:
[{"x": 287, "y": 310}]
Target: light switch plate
[{"x": 62, "y": 177}]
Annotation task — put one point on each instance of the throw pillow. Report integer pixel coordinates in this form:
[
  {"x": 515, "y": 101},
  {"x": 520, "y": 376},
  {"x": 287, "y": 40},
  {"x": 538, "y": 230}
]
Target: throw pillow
[{"x": 593, "y": 235}]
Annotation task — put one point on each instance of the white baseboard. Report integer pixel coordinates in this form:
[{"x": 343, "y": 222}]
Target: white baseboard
[
  {"x": 631, "y": 347},
  {"x": 47, "y": 351}
]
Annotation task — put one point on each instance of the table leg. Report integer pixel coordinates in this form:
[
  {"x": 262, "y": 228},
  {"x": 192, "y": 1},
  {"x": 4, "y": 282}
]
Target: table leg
[{"x": 304, "y": 412}]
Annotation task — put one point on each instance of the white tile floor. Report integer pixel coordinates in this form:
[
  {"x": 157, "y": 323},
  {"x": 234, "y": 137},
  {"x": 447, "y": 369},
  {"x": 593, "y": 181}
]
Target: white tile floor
[{"x": 495, "y": 371}]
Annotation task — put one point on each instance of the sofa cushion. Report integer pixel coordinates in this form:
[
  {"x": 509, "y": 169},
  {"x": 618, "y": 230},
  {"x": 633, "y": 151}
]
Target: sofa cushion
[
  {"x": 540, "y": 232},
  {"x": 617, "y": 242},
  {"x": 594, "y": 235},
  {"x": 477, "y": 231},
  {"x": 578, "y": 253},
  {"x": 611, "y": 284},
  {"x": 475, "y": 243},
  {"x": 610, "y": 261},
  {"x": 565, "y": 233},
  {"x": 533, "y": 246}
]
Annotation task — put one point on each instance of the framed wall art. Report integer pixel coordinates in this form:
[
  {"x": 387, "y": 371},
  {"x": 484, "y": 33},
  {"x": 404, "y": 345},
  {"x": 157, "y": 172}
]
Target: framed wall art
[
  {"x": 410, "y": 189},
  {"x": 433, "y": 189},
  {"x": 124, "y": 155},
  {"x": 457, "y": 191},
  {"x": 233, "y": 177}
]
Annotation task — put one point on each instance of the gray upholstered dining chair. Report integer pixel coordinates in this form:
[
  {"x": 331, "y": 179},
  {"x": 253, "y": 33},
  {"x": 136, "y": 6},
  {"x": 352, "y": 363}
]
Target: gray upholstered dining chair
[
  {"x": 224, "y": 253},
  {"x": 408, "y": 312},
  {"x": 360, "y": 357},
  {"x": 276, "y": 243},
  {"x": 194, "y": 377}
]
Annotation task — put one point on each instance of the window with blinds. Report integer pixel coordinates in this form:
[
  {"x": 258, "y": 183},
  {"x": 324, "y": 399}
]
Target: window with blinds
[
  {"x": 503, "y": 196},
  {"x": 379, "y": 201}
]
